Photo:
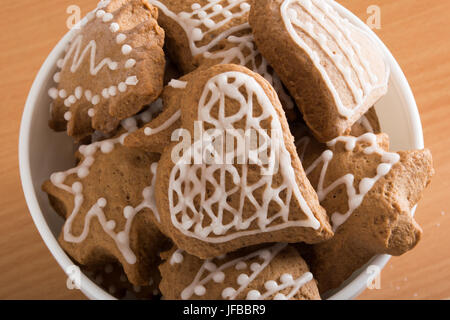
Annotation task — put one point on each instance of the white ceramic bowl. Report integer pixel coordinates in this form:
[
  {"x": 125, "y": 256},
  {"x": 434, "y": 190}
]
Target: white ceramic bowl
[{"x": 42, "y": 152}]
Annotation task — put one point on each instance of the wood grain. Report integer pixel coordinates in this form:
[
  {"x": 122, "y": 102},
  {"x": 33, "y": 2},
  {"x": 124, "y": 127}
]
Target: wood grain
[{"x": 416, "y": 32}]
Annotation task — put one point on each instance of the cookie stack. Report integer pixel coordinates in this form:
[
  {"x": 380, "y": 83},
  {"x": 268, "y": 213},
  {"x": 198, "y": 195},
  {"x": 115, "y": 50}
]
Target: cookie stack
[{"x": 228, "y": 150}]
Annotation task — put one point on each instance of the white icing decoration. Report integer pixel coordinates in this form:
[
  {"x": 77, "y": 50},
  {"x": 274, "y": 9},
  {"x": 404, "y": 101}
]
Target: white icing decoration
[
  {"x": 130, "y": 63},
  {"x": 184, "y": 214},
  {"x": 107, "y": 17},
  {"x": 95, "y": 100},
  {"x": 174, "y": 118},
  {"x": 72, "y": 99},
  {"x": 241, "y": 265},
  {"x": 244, "y": 50},
  {"x": 287, "y": 281},
  {"x": 231, "y": 293},
  {"x": 202, "y": 278},
  {"x": 177, "y": 84},
  {"x": 114, "y": 27},
  {"x": 91, "y": 48},
  {"x": 132, "y": 81},
  {"x": 191, "y": 22},
  {"x": 112, "y": 91},
  {"x": 88, "y": 95},
  {"x": 105, "y": 93},
  {"x": 120, "y": 38},
  {"x": 177, "y": 257},
  {"x": 78, "y": 92},
  {"x": 53, "y": 93},
  {"x": 57, "y": 77},
  {"x": 67, "y": 115},
  {"x": 126, "y": 49},
  {"x": 331, "y": 27},
  {"x": 355, "y": 197},
  {"x": 59, "y": 63},
  {"x": 122, "y": 87},
  {"x": 78, "y": 54},
  {"x": 97, "y": 210}
]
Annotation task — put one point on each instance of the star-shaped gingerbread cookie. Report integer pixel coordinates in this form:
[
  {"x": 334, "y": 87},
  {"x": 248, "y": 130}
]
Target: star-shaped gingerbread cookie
[
  {"x": 108, "y": 204},
  {"x": 368, "y": 193},
  {"x": 112, "y": 68}
]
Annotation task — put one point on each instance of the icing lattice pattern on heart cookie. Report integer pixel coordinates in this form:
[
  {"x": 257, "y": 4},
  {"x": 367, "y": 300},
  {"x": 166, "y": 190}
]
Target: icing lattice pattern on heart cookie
[
  {"x": 186, "y": 184},
  {"x": 241, "y": 47},
  {"x": 321, "y": 24},
  {"x": 210, "y": 271},
  {"x": 77, "y": 55}
]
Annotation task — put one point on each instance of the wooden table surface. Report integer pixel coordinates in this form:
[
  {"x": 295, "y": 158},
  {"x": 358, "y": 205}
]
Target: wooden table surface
[{"x": 416, "y": 31}]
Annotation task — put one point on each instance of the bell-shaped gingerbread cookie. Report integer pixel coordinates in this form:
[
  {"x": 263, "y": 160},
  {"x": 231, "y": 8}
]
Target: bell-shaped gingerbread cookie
[{"x": 233, "y": 177}]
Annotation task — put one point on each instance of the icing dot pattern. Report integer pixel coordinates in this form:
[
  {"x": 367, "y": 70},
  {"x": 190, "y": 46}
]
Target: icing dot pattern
[
  {"x": 88, "y": 152},
  {"x": 77, "y": 55},
  {"x": 242, "y": 50},
  {"x": 265, "y": 256}
]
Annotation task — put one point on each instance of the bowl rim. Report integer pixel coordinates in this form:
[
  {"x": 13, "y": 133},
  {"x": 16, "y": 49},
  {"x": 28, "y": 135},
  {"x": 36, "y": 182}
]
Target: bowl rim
[
  {"x": 90, "y": 289},
  {"x": 358, "y": 284}
]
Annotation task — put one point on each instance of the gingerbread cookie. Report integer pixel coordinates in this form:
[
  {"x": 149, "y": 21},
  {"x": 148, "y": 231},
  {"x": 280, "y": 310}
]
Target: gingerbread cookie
[
  {"x": 241, "y": 197},
  {"x": 368, "y": 192},
  {"x": 108, "y": 203},
  {"x": 158, "y": 133},
  {"x": 113, "y": 280},
  {"x": 333, "y": 70},
  {"x": 275, "y": 272},
  {"x": 112, "y": 68},
  {"x": 203, "y": 33}
]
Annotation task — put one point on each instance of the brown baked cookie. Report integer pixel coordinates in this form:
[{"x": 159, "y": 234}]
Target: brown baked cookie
[
  {"x": 216, "y": 198},
  {"x": 113, "y": 280},
  {"x": 203, "y": 33},
  {"x": 275, "y": 272},
  {"x": 112, "y": 68},
  {"x": 108, "y": 203},
  {"x": 157, "y": 134},
  {"x": 368, "y": 193},
  {"x": 333, "y": 70}
]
